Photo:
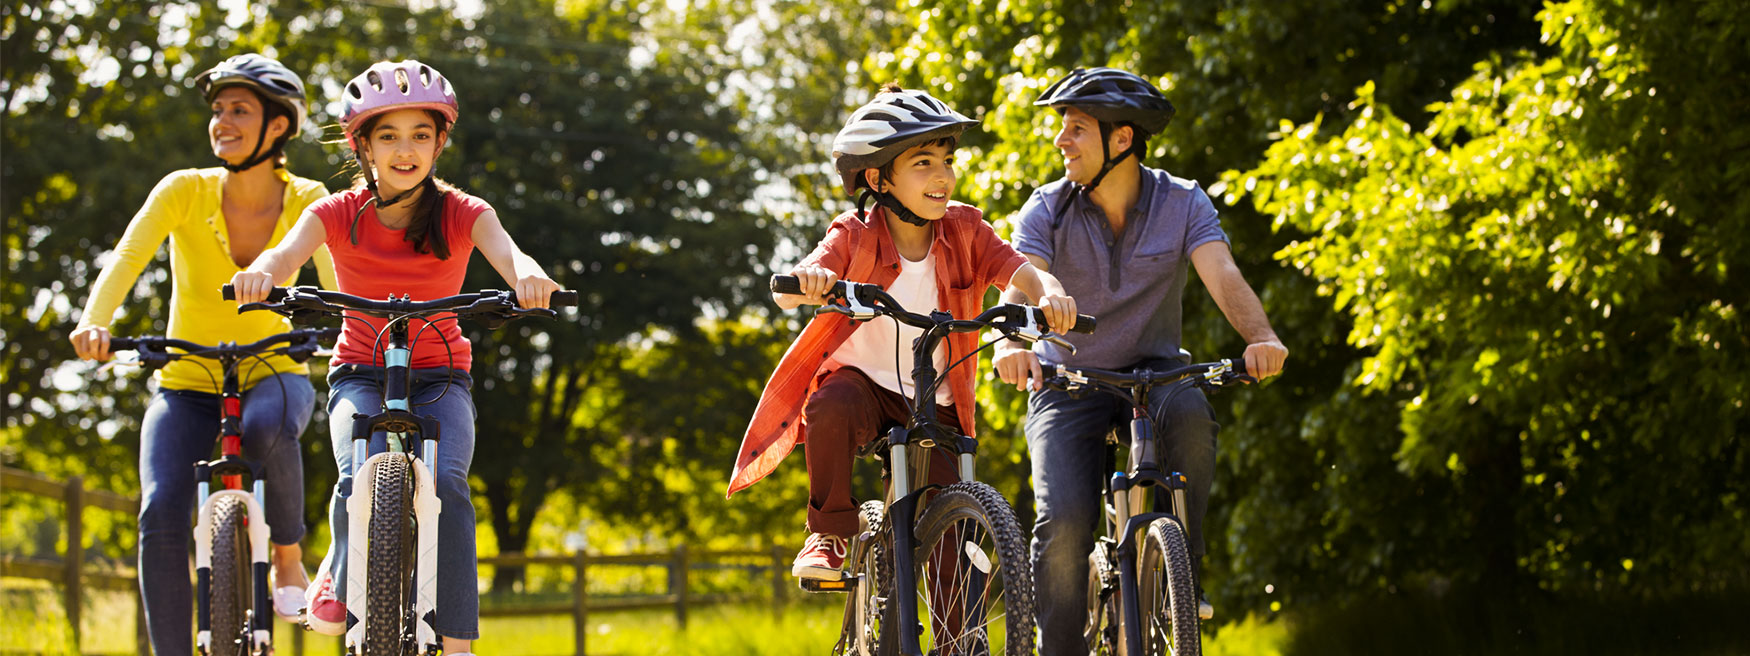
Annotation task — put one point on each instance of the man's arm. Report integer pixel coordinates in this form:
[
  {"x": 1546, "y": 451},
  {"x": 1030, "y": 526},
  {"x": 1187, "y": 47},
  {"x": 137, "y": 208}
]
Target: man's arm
[{"x": 1264, "y": 350}]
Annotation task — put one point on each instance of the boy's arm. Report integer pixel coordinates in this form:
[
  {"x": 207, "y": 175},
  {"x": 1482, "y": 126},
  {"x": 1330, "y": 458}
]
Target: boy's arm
[
  {"x": 820, "y": 269},
  {"x": 1044, "y": 290}
]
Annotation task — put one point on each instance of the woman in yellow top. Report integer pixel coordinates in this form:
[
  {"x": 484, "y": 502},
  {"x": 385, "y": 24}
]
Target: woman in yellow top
[{"x": 218, "y": 220}]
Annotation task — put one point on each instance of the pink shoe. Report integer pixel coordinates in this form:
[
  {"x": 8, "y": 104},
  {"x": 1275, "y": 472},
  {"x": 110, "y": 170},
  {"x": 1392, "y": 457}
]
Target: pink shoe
[
  {"x": 324, "y": 613},
  {"x": 822, "y": 558}
]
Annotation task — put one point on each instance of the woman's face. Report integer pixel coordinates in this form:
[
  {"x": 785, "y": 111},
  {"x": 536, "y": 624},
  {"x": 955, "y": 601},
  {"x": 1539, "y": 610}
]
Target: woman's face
[
  {"x": 236, "y": 124},
  {"x": 401, "y": 147}
]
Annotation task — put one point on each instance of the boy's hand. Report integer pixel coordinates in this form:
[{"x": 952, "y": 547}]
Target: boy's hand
[
  {"x": 533, "y": 291},
  {"x": 1018, "y": 366},
  {"x": 251, "y": 286},
  {"x": 1060, "y": 315},
  {"x": 815, "y": 282}
]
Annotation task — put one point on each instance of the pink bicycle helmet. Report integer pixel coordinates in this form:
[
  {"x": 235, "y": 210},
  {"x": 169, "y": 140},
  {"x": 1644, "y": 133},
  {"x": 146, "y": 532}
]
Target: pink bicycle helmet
[{"x": 389, "y": 86}]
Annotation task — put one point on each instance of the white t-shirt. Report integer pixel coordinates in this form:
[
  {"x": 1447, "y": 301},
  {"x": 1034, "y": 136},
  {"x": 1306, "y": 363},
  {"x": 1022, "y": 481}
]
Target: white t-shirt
[{"x": 871, "y": 348}]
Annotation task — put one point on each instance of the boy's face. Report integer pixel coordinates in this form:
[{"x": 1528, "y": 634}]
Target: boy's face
[{"x": 923, "y": 179}]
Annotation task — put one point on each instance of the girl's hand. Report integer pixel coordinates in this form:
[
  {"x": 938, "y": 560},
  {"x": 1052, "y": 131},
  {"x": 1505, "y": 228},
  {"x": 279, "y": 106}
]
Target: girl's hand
[
  {"x": 1060, "y": 313},
  {"x": 91, "y": 343},
  {"x": 251, "y": 286},
  {"x": 815, "y": 282},
  {"x": 533, "y": 291}
]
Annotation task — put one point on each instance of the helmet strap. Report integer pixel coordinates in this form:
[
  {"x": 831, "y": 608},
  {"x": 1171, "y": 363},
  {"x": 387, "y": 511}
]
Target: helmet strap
[
  {"x": 377, "y": 199},
  {"x": 256, "y": 156},
  {"x": 892, "y": 204}
]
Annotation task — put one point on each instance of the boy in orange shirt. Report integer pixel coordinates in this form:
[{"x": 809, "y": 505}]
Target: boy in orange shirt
[{"x": 841, "y": 381}]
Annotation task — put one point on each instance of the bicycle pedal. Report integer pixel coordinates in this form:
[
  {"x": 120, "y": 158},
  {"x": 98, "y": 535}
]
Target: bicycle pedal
[{"x": 816, "y": 585}]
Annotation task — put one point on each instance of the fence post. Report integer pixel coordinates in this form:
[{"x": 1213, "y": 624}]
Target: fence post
[
  {"x": 580, "y": 600},
  {"x": 677, "y": 585},
  {"x": 777, "y": 580},
  {"x": 74, "y": 561}
]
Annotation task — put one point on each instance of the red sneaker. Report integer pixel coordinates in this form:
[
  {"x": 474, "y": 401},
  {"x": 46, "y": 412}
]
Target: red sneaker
[
  {"x": 324, "y": 613},
  {"x": 822, "y": 558}
]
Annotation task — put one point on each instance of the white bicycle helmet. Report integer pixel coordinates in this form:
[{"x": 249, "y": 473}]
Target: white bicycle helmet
[{"x": 882, "y": 129}]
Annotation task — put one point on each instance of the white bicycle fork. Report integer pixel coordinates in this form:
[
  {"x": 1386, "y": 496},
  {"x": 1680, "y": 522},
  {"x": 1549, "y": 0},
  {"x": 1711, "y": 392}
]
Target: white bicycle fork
[
  {"x": 426, "y": 509},
  {"x": 258, "y": 549}
]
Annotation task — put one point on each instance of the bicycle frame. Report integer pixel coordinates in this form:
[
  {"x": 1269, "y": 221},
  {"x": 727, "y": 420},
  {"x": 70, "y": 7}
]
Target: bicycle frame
[{"x": 398, "y": 420}]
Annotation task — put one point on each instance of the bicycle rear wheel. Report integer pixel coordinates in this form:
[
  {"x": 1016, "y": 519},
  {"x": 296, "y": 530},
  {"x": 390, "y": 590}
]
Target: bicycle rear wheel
[
  {"x": 389, "y": 560},
  {"x": 871, "y": 633},
  {"x": 229, "y": 599},
  {"x": 1166, "y": 594},
  {"x": 974, "y": 580}
]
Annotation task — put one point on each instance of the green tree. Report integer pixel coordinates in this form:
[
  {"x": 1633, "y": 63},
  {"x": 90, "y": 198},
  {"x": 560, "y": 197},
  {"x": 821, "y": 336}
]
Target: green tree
[{"x": 1548, "y": 286}]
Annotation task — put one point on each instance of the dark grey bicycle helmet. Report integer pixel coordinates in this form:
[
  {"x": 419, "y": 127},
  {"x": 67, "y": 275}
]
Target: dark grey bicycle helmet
[
  {"x": 272, "y": 82},
  {"x": 1112, "y": 96},
  {"x": 879, "y": 131}
]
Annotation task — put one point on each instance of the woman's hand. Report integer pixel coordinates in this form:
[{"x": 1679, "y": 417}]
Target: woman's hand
[{"x": 91, "y": 343}]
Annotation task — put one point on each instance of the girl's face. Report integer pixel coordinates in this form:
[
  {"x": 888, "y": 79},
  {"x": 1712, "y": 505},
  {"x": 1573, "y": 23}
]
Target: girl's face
[
  {"x": 236, "y": 124},
  {"x": 923, "y": 179},
  {"x": 401, "y": 147}
]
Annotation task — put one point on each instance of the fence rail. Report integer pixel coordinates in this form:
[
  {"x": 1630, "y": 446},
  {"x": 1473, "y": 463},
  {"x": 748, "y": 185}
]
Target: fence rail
[{"x": 71, "y": 572}]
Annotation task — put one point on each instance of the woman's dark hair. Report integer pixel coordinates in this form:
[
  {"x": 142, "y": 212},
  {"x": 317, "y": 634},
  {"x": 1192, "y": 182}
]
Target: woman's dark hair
[{"x": 425, "y": 231}]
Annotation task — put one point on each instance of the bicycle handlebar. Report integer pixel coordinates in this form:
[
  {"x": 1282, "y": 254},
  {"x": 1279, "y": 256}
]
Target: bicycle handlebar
[
  {"x": 493, "y": 305},
  {"x": 875, "y": 299},
  {"x": 1215, "y": 374},
  {"x": 302, "y": 344}
]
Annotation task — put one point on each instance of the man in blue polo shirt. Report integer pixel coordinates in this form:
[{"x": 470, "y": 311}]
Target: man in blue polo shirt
[{"x": 1121, "y": 237}]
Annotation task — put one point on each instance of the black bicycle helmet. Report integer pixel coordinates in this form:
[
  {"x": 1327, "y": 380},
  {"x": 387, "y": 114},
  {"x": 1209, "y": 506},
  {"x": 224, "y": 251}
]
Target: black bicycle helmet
[
  {"x": 879, "y": 131},
  {"x": 1114, "y": 98},
  {"x": 272, "y": 82}
]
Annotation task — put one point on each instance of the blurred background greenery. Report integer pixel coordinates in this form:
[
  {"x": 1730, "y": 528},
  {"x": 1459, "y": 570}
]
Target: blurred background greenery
[{"x": 1504, "y": 242}]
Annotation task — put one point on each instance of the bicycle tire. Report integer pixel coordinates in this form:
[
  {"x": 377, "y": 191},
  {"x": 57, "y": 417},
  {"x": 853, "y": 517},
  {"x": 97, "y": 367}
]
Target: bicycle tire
[
  {"x": 389, "y": 559},
  {"x": 982, "y": 526},
  {"x": 228, "y": 600},
  {"x": 872, "y": 634},
  {"x": 1170, "y": 623},
  {"x": 1101, "y": 630}
]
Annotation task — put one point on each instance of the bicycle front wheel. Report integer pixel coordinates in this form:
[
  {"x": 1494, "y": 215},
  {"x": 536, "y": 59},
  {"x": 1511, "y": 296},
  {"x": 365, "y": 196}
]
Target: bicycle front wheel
[
  {"x": 974, "y": 580},
  {"x": 389, "y": 560},
  {"x": 1166, "y": 594},
  {"x": 870, "y": 631},
  {"x": 229, "y": 599}
]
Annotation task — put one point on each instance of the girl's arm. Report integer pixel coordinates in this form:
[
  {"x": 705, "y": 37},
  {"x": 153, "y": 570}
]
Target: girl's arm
[
  {"x": 280, "y": 262},
  {"x": 522, "y": 272}
]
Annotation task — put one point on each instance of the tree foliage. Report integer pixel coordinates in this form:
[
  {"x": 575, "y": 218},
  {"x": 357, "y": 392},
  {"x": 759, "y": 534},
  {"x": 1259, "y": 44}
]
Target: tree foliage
[{"x": 1548, "y": 283}]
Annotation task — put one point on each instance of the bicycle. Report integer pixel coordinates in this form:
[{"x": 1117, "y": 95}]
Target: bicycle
[
  {"x": 1117, "y": 591},
  {"x": 231, "y": 550},
  {"x": 968, "y": 519},
  {"x": 394, "y": 506}
]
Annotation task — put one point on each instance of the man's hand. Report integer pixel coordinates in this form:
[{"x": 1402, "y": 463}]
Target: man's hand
[
  {"x": 1264, "y": 359},
  {"x": 1018, "y": 366}
]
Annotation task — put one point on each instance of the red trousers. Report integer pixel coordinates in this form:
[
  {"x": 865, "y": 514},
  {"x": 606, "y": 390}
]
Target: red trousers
[{"x": 846, "y": 412}]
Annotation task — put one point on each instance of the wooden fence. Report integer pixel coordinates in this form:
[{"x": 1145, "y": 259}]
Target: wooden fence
[{"x": 70, "y": 570}]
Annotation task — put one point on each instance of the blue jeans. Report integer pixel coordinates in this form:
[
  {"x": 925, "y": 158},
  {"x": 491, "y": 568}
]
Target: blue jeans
[
  {"x": 179, "y": 430},
  {"x": 1066, "y": 437},
  {"x": 445, "y": 394}
]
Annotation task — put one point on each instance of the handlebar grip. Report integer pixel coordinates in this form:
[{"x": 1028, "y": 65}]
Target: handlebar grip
[
  {"x": 123, "y": 344},
  {"x": 786, "y": 285},
  {"x": 1084, "y": 325},
  {"x": 562, "y": 298},
  {"x": 275, "y": 294},
  {"x": 782, "y": 284},
  {"x": 1239, "y": 365}
]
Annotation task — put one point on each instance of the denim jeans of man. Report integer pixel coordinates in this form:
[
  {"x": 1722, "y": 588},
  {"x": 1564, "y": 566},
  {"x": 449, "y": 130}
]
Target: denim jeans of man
[
  {"x": 445, "y": 394},
  {"x": 180, "y": 429},
  {"x": 1066, "y": 437}
]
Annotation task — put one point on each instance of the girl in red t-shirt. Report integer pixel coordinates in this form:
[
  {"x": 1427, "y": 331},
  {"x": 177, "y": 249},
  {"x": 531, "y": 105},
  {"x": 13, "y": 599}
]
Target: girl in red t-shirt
[{"x": 400, "y": 230}]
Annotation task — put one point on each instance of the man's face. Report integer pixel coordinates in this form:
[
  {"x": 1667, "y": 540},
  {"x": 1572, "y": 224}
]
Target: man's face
[{"x": 1079, "y": 140}]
